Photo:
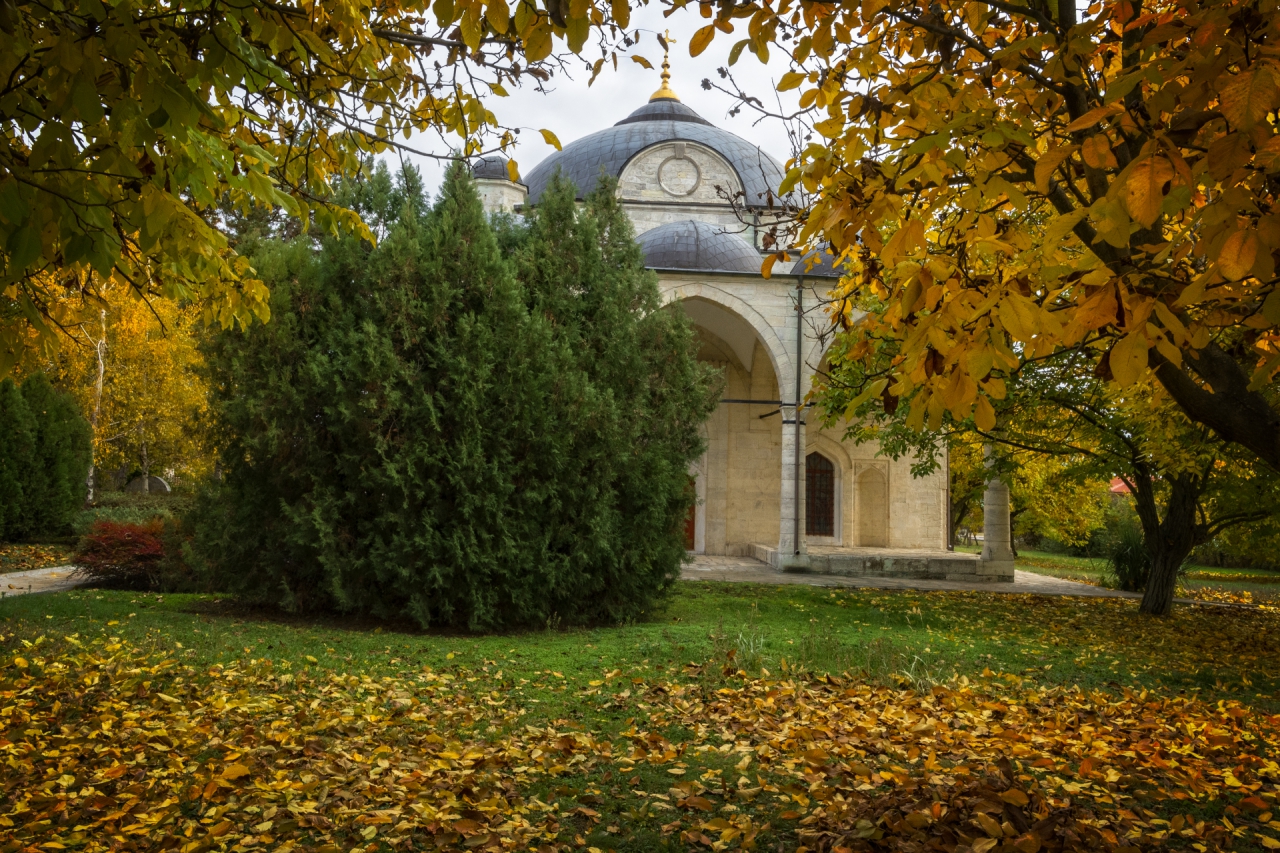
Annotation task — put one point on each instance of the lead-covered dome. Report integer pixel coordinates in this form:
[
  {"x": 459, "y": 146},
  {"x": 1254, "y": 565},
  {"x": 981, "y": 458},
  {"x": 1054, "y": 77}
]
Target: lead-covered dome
[
  {"x": 662, "y": 120},
  {"x": 492, "y": 166},
  {"x": 693, "y": 245}
]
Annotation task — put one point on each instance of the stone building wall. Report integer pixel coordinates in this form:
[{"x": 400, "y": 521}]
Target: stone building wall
[{"x": 744, "y": 499}]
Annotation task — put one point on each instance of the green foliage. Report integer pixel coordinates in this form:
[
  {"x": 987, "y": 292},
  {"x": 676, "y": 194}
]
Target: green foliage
[
  {"x": 430, "y": 429},
  {"x": 62, "y": 453},
  {"x": 45, "y": 451},
  {"x": 17, "y": 443},
  {"x": 1128, "y": 561}
]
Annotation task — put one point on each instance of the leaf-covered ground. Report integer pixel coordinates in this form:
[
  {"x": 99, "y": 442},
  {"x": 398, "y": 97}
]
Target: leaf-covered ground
[
  {"x": 18, "y": 558},
  {"x": 965, "y": 722}
]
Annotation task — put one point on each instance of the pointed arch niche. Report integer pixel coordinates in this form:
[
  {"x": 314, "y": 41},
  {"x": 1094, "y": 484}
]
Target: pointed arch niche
[{"x": 872, "y": 509}]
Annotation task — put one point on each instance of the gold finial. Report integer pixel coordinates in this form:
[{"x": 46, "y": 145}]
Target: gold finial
[{"x": 664, "y": 91}]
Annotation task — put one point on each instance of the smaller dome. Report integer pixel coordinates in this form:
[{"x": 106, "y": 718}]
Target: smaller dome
[
  {"x": 693, "y": 245},
  {"x": 824, "y": 264},
  {"x": 491, "y": 167}
]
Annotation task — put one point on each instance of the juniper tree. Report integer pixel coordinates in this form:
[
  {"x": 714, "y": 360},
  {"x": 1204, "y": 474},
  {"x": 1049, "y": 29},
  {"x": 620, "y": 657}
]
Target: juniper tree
[{"x": 430, "y": 429}]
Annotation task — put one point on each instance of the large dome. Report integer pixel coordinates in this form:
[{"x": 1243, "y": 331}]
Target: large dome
[
  {"x": 662, "y": 120},
  {"x": 693, "y": 245}
]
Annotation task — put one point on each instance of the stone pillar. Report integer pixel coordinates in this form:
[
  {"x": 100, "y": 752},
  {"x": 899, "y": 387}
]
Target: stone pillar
[
  {"x": 997, "y": 536},
  {"x": 792, "y": 555}
]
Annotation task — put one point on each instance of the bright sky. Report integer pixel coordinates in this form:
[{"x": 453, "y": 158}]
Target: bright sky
[{"x": 572, "y": 110}]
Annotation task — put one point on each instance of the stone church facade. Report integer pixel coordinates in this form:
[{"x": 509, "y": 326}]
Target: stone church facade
[{"x": 774, "y": 484}]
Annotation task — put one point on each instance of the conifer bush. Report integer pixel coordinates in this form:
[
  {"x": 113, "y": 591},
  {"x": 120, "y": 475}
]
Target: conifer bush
[
  {"x": 448, "y": 431},
  {"x": 45, "y": 452}
]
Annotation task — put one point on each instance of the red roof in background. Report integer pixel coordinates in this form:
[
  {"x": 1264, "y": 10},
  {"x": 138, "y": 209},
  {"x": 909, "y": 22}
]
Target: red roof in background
[{"x": 1118, "y": 486}]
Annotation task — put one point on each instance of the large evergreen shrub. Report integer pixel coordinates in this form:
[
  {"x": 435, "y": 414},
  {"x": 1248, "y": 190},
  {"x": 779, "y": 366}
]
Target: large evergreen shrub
[
  {"x": 63, "y": 451},
  {"x": 45, "y": 451},
  {"x": 437, "y": 430}
]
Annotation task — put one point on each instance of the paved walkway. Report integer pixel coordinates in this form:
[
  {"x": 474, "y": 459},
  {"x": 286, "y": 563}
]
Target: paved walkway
[
  {"x": 747, "y": 570},
  {"x": 32, "y": 581}
]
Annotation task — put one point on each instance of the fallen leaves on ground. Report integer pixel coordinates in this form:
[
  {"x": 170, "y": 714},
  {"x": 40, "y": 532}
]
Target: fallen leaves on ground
[
  {"x": 1228, "y": 595},
  {"x": 20, "y": 558},
  {"x": 108, "y": 747}
]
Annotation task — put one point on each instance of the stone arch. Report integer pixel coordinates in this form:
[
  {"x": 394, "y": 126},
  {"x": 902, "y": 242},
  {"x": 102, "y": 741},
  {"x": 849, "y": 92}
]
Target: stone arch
[
  {"x": 873, "y": 507},
  {"x": 779, "y": 358}
]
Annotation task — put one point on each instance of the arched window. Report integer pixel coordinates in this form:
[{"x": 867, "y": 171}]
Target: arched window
[{"x": 819, "y": 496}]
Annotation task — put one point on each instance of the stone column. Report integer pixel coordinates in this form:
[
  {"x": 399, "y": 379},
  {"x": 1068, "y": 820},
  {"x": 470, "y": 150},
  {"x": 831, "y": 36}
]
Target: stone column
[
  {"x": 997, "y": 537},
  {"x": 787, "y": 505}
]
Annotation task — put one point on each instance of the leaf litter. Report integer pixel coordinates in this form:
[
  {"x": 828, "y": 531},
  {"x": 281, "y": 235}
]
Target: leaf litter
[{"x": 109, "y": 747}]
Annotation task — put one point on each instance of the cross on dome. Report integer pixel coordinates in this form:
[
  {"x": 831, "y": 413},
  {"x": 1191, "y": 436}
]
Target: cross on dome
[{"x": 664, "y": 92}]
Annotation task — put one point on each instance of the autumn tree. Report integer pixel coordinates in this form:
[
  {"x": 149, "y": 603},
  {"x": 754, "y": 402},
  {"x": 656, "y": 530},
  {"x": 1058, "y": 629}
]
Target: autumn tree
[
  {"x": 1015, "y": 179},
  {"x": 124, "y": 125},
  {"x": 136, "y": 372},
  {"x": 1052, "y": 497},
  {"x": 1057, "y": 417}
]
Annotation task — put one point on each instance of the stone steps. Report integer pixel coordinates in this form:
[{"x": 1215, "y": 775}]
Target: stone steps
[{"x": 892, "y": 563}]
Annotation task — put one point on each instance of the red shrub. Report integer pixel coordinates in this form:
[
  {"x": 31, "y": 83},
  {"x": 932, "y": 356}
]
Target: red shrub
[{"x": 122, "y": 554}]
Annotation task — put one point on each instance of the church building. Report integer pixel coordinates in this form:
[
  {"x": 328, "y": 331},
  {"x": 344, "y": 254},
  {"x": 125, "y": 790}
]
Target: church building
[{"x": 774, "y": 484}]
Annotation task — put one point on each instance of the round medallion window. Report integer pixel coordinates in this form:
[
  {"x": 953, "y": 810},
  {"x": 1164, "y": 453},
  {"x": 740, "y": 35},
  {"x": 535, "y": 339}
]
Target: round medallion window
[{"x": 679, "y": 175}]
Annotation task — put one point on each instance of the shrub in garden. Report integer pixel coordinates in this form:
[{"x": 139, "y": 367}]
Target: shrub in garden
[
  {"x": 45, "y": 451},
  {"x": 122, "y": 555},
  {"x": 440, "y": 430}
]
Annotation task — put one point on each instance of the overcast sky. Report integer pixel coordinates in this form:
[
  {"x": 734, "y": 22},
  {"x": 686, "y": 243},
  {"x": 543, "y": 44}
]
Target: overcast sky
[{"x": 572, "y": 110}]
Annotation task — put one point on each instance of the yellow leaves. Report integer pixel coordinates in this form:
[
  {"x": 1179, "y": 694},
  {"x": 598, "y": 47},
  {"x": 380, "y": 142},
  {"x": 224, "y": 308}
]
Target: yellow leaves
[
  {"x": 989, "y": 825},
  {"x": 641, "y": 61},
  {"x": 20, "y": 662},
  {"x": 905, "y": 242},
  {"x": 621, "y": 12},
  {"x": 1015, "y": 796},
  {"x": 1019, "y": 316},
  {"x": 1250, "y": 95},
  {"x": 1093, "y": 116},
  {"x": 1128, "y": 358},
  {"x": 701, "y": 39},
  {"x": 984, "y": 414},
  {"x": 550, "y": 138},
  {"x": 1097, "y": 152},
  {"x": 1144, "y": 188},
  {"x": 1238, "y": 254},
  {"x": 791, "y": 80},
  {"x": 498, "y": 15},
  {"x": 234, "y": 771},
  {"x": 1048, "y": 162}
]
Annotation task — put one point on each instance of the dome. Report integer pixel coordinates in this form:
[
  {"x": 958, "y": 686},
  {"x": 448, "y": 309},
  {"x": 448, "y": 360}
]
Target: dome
[
  {"x": 662, "y": 120},
  {"x": 693, "y": 245},
  {"x": 823, "y": 264},
  {"x": 492, "y": 167}
]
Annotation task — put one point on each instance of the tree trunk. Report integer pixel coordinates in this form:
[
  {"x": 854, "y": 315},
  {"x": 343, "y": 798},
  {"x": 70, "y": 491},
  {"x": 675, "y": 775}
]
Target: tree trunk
[
  {"x": 146, "y": 470},
  {"x": 1168, "y": 540},
  {"x": 100, "y": 347},
  {"x": 1228, "y": 406}
]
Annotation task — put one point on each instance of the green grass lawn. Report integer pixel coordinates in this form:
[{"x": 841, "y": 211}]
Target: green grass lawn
[{"x": 747, "y": 716}]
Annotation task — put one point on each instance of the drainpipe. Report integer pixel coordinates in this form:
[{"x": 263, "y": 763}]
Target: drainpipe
[{"x": 799, "y": 359}]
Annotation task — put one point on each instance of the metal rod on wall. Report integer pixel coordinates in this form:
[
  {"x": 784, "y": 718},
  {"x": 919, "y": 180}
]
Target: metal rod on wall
[{"x": 799, "y": 457}]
